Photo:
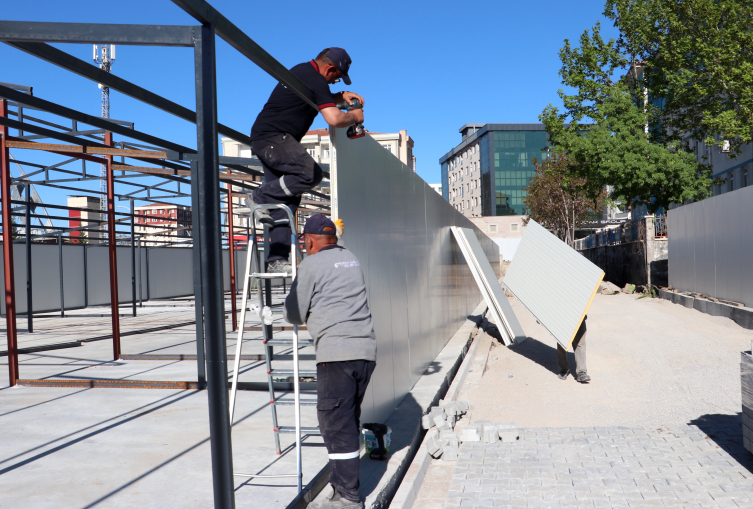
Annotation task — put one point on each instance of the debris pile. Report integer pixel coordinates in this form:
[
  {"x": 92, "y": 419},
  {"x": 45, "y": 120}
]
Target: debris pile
[{"x": 442, "y": 441}]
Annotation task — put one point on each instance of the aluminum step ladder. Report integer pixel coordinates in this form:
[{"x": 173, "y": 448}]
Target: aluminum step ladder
[{"x": 261, "y": 281}]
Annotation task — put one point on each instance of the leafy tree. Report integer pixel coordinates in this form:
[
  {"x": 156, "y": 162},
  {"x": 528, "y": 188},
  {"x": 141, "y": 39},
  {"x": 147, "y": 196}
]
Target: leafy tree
[
  {"x": 557, "y": 200},
  {"x": 698, "y": 61},
  {"x": 617, "y": 148}
]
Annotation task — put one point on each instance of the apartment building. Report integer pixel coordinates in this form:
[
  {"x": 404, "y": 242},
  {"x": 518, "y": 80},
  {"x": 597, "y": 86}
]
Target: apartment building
[
  {"x": 85, "y": 218},
  {"x": 161, "y": 224}
]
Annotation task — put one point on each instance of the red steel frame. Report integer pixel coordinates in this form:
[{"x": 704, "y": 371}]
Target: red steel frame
[
  {"x": 10, "y": 284},
  {"x": 231, "y": 250},
  {"x": 113, "y": 254}
]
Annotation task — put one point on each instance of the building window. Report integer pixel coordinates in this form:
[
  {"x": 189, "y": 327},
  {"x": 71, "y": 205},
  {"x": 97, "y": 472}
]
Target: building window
[
  {"x": 387, "y": 147},
  {"x": 326, "y": 154},
  {"x": 311, "y": 151},
  {"x": 731, "y": 182},
  {"x": 514, "y": 227},
  {"x": 745, "y": 179}
]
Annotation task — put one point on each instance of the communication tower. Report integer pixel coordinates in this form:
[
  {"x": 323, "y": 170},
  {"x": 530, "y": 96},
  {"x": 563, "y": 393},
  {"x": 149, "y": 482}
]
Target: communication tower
[{"x": 104, "y": 55}]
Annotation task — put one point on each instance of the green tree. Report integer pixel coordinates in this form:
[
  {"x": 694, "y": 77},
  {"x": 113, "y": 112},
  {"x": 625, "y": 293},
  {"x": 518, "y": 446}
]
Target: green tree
[
  {"x": 557, "y": 200},
  {"x": 697, "y": 57},
  {"x": 616, "y": 147}
]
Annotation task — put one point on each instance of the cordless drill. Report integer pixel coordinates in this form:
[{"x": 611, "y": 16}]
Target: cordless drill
[
  {"x": 379, "y": 430},
  {"x": 356, "y": 130}
]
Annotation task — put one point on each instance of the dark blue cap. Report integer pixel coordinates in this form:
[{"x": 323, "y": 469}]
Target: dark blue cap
[
  {"x": 317, "y": 223},
  {"x": 342, "y": 61}
]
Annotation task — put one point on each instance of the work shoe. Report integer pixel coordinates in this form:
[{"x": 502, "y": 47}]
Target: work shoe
[
  {"x": 280, "y": 266},
  {"x": 583, "y": 377},
  {"x": 562, "y": 375},
  {"x": 261, "y": 214},
  {"x": 333, "y": 500}
]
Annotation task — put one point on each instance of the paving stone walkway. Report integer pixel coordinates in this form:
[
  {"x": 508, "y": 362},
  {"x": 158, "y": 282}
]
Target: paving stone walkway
[{"x": 698, "y": 465}]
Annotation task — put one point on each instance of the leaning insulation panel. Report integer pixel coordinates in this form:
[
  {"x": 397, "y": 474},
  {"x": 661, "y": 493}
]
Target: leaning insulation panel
[
  {"x": 553, "y": 281},
  {"x": 487, "y": 282}
]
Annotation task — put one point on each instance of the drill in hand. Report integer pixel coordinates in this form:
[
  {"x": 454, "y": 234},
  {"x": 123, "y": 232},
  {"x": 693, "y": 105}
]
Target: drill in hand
[{"x": 356, "y": 130}]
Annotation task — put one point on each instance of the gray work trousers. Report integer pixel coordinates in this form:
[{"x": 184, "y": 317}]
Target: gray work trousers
[{"x": 579, "y": 349}]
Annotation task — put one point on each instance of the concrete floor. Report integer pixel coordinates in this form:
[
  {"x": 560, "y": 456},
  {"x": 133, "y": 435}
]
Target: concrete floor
[
  {"x": 654, "y": 366},
  {"x": 81, "y": 448}
]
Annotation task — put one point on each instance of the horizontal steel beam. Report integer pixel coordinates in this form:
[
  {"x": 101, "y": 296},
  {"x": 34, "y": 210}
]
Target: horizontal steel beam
[
  {"x": 84, "y": 118},
  {"x": 94, "y": 73},
  {"x": 136, "y": 35},
  {"x": 235, "y": 37}
]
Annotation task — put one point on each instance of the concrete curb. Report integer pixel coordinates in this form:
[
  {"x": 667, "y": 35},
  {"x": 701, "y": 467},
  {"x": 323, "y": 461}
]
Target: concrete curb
[
  {"x": 414, "y": 477},
  {"x": 742, "y": 316}
]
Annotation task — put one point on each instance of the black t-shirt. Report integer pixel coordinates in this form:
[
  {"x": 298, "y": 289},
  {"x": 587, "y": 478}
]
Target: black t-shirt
[{"x": 285, "y": 112}]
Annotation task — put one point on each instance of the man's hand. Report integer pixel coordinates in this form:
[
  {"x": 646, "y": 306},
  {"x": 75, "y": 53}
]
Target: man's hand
[
  {"x": 349, "y": 96},
  {"x": 357, "y": 115}
]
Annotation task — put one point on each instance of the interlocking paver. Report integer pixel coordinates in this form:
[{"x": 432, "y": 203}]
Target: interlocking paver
[{"x": 609, "y": 467}]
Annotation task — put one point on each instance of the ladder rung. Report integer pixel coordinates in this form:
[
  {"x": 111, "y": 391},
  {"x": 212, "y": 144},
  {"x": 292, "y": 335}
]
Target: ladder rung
[
  {"x": 289, "y": 342},
  {"x": 289, "y": 372},
  {"x": 269, "y": 275},
  {"x": 314, "y": 430},
  {"x": 304, "y": 402}
]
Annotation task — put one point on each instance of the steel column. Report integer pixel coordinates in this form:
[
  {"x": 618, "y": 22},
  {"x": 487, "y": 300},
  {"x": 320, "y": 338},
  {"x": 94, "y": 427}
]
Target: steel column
[
  {"x": 29, "y": 300},
  {"x": 62, "y": 283},
  {"x": 111, "y": 242},
  {"x": 141, "y": 280},
  {"x": 133, "y": 256},
  {"x": 231, "y": 246},
  {"x": 201, "y": 368},
  {"x": 10, "y": 284},
  {"x": 208, "y": 204}
]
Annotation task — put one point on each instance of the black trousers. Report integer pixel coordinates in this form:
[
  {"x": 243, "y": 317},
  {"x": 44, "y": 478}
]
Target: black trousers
[
  {"x": 340, "y": 387},
  {"x": 289, "y": 171}
]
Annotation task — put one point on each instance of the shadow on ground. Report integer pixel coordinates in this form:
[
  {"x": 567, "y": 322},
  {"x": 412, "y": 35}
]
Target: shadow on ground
[
  {"x": 533, "y": 349},
  {"x": 727, "y": 432}
]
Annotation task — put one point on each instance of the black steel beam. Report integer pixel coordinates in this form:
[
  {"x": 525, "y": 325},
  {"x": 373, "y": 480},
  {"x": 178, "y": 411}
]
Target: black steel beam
[
  {"x": 236, "y": 38},
  {"x": 210, "y": 248},
  {"x": 135, "y": 35},
  {"x": 100, "y": 122},
  {"x": 94, "y": 73}
]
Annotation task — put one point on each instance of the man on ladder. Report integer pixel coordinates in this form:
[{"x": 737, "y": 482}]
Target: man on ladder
[
  {"x": 289, "y": 170},
  {"x": 329, "y": 295}
]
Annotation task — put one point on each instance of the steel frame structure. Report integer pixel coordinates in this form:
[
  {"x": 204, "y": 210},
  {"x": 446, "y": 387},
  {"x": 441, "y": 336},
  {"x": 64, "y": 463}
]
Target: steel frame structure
[{"x": 203, "y": 167}]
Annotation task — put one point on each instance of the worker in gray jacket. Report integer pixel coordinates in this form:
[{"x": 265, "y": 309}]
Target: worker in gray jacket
[{"x": 329, "y": 295}]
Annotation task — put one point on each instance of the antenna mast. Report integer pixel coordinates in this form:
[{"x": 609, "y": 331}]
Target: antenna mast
[{"x": 104, "y": 55}]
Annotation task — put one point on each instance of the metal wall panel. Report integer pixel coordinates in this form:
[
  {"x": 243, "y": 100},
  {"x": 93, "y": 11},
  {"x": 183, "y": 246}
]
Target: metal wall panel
[
  {"x": 98, "y": 275},
  {"x": 419, "y": 287},
  {"x": 710, "y": 244},
  {"x": 553, "y": 281},
  {"x": 170, "y": 272}
]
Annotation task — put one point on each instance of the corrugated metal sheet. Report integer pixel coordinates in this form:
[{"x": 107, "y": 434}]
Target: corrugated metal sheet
[
  {"x": 553, "y": 281},
  {"x": 499, "y": 307}
]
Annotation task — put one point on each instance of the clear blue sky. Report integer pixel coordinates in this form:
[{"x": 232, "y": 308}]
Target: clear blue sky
[{"x": 428, "y": 67}]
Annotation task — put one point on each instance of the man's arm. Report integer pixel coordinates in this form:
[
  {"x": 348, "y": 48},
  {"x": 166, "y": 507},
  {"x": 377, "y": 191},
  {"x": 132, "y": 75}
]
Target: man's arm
[
  {"x": 298, "y": 301},
  {"x": 339, "y": 118}
]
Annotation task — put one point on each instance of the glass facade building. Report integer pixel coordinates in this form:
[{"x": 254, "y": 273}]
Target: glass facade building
[{"x": 505, "y": 159}]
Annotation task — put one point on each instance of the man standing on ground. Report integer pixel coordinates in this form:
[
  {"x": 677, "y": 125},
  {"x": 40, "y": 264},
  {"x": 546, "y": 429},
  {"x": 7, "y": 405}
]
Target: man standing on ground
[
  {"x": 289, "y": 170},
  {"x": 579, "y": 349},
  {"x": 329, "y": 295}
]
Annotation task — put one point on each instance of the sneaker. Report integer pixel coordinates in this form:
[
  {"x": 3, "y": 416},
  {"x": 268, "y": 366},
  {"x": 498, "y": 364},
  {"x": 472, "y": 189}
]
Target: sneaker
[
  {"x": 280, "y": 266},
  {"x": 261, "y": 214},
  {"x": 583, "y": 377},
  {"x": 562, "y": 375},
  {"x": 333, "y": 500}
]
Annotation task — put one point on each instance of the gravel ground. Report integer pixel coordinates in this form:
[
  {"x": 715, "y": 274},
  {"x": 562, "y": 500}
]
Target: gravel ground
[{"x": 652, "y": 363}]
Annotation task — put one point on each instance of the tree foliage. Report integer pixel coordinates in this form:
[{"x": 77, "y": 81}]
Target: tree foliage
[
  {"x": 557, "y": 200},
  {"x": 616, "y": 147},
  {"x": 698, "y": 58}
]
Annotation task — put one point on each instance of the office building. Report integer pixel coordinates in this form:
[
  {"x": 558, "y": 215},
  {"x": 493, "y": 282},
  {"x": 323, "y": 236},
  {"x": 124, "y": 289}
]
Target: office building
[
  {"x": 486, "y": 174},
  {"x": 162, "y": 224}
]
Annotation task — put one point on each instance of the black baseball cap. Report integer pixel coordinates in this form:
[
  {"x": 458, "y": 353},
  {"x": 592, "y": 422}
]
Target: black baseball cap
[
  {"x": 342, "y": 61},
  {"x": 317, "y": 225}
]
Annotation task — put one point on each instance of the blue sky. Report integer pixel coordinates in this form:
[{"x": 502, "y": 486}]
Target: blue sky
[{"x": 428, "y": 67}]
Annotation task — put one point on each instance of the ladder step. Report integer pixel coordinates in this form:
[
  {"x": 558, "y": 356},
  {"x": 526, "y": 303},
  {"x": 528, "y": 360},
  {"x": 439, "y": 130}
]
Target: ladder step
[
  {"x": 304, "y": 402},
  {"x": 269, "y": 275},
  {"x": 312, "y": 430},
  {"x": 289, "y": 342},
  {"x": 289, "y": 372}
]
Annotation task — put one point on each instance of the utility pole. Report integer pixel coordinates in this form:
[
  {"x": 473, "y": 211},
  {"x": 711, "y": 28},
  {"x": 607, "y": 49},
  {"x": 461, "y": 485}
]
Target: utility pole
[{"x": 104, "y": 55}]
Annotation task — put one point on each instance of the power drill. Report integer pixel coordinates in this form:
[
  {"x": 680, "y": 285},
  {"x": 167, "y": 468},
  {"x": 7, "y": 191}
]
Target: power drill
[
  {"x": 356, "y": 130},
  {"x": 379, "y": 430}
]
